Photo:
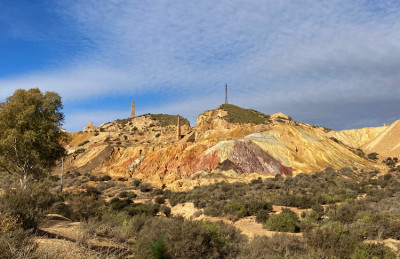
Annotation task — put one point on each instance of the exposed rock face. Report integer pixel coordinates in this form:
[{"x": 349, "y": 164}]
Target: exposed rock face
[
  {"x": 358, "y": 137},
  {"x": 220, "y": 147},
  {"x": 252, "y": 159},
  {"x": 90, "y": 127},
  {"x": 306, "y": 149},
  {"x": 279, "y": 115},
  {"x": 245, "y": 156}
]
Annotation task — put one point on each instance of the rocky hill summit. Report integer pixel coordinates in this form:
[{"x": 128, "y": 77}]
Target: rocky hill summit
[
  {"x": 226, "y": 144},
  {"x": 146, "y": 129}
]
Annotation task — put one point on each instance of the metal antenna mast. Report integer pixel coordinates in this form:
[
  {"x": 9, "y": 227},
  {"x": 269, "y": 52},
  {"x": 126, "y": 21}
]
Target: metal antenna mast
[{"x": 226, "y": 93}]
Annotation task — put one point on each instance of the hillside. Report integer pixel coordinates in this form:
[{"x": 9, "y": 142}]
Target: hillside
[
  {"x": 358, "y": 137},
  {"x": 228, "y": 143},
  {"x": 386, "y": 144}
]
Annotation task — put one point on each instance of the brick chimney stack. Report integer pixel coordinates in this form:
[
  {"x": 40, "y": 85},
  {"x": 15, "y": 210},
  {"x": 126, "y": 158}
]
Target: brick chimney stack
[
  {"x": 178, "y": 128},
  {"x": 133, "y": 110}
]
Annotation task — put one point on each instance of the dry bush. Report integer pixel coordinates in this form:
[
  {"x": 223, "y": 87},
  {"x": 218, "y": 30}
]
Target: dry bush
[
  {"x": 333, "y": 239},
  {"x": 176, "y": 238},
  {"x": 28, "y": 204},
  {"x": 82, "y": 207},
  {"x": 279, "y": 246},
  {"x": 17, "y": 244}
]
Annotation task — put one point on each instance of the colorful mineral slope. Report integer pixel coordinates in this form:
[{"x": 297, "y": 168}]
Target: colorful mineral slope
[{"x": 242, "y": 148}]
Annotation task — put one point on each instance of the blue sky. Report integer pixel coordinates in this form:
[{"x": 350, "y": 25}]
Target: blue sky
[{"x": 332, "y": 63}]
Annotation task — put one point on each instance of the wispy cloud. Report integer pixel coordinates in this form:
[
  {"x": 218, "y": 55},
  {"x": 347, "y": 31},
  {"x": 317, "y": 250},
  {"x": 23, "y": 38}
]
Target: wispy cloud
[{"x": 308, "y": 58}]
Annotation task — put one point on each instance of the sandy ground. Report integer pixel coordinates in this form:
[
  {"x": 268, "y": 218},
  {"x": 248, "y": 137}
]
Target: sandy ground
[
  {"x": 391, "y": 243},
  {"x": 248, "y": 226}
]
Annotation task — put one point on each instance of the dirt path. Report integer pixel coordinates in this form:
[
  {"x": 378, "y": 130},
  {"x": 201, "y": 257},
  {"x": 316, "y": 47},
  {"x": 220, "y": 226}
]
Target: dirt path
[
  {"x": 251, "y": 228},
  {"x": 59, "y": 233},
  {"x": 61, "y": 248}
]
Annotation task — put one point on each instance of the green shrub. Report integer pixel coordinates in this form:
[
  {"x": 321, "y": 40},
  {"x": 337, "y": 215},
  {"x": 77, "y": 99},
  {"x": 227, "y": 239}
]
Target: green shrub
[
  {"x": 166, "y": 119},
  {"x": 235, "y": 209},
  {"x": 159, "y": 199},
  {"x": 123, "y": 194},
  {"x": 131, "y": 195},
  {"x": 165, "y": 210},
  {"x": 79, "y": 151},
  {"x": 211, "y": 240},
  {"x": 119, "y": 204},
  {"x": 372, "y": 251},
  {"x": 106, "y": 178},
  {"x": 176, "y": 198},
  {"x": 253, "y": 207},
  {"x": 286, "y": 221},
  {"x": 83, "y": 143},
  {"x": 90, "y": 190},
  {"x": 387, "y": 177},
  {"x": 105, "y": 185},
  {"x": 318, "y": 211},
  {"x": 333, "y": 239},
  {"x": 373, "y": 156},
  {"x": 359, "y": 152},
  {"x": 135, "y": 182},
  {"x": 157, "y": 192},
  {"x": 148, "y": 209},
  {"x": 344, "y": 213},
  {"x": 145, "y": 187},
  {"x": 262, "y": 216},
  {"x": 158, "y": 249},
  {"x": 213, "y": 212},
  {"x": 389, "y": 162},
  {"x": 92, "y": 177}
]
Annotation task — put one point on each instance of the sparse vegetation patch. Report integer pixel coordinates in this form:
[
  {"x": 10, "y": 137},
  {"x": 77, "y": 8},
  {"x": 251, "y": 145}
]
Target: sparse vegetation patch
[{"x": 243, "y": 116}]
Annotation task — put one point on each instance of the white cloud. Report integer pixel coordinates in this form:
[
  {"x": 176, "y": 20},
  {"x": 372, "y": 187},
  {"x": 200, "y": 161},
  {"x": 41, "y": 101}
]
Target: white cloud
[{"x": 275, "y": 55}]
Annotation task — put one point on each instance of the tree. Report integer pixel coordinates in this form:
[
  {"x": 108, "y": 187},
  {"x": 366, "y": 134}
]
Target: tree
[{"x": 30, "y": 133}]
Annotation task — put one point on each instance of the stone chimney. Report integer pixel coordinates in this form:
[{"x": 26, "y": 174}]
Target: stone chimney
[
  {"x": 133, "y": 110},
  {"x": 178, "y": 128}
]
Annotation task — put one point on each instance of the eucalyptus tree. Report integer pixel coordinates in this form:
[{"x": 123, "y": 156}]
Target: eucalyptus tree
[{"x": 30, "y": 133}]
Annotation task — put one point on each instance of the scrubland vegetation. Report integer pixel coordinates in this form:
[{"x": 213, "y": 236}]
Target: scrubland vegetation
[
  {"x": 343, "y": 209},
  {"x": 239, "y": 115},
  {"x": 344, "y": 214}
]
